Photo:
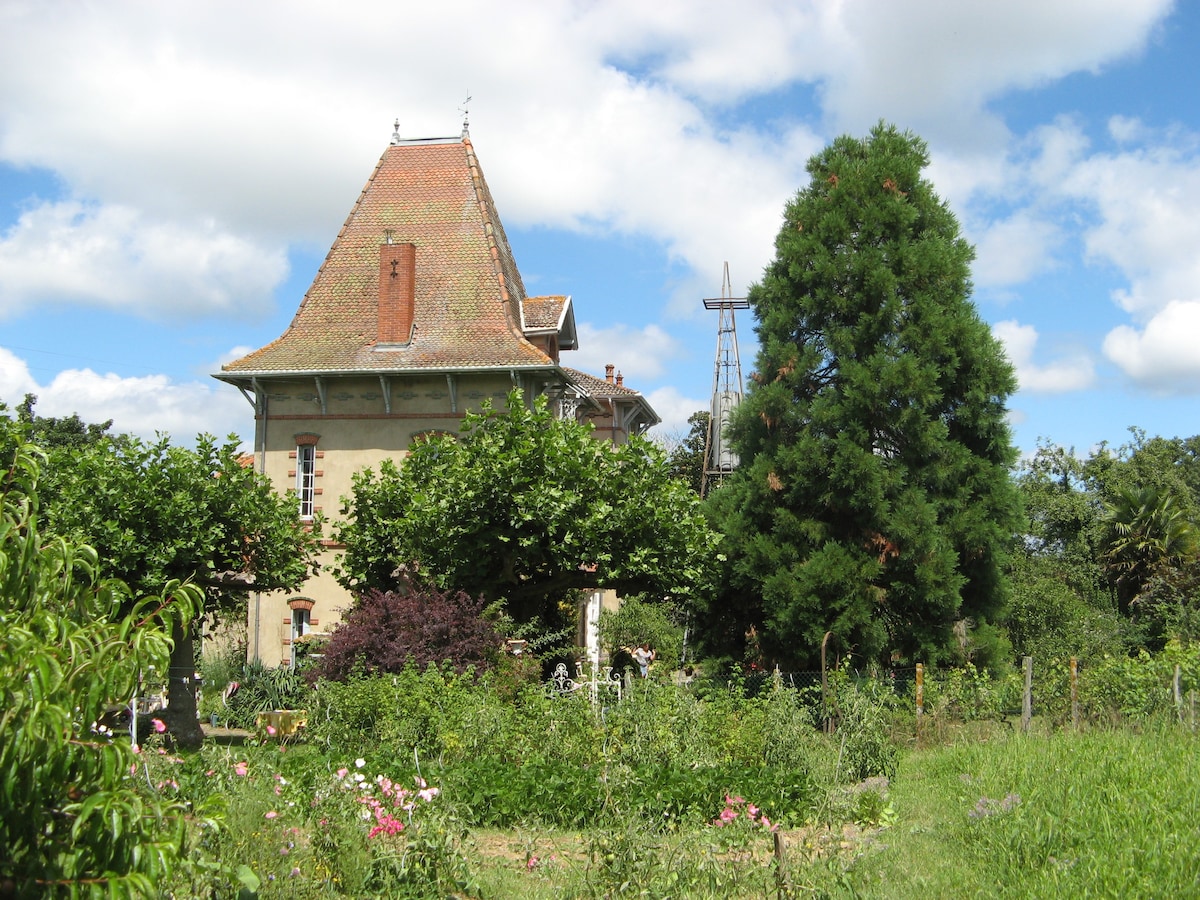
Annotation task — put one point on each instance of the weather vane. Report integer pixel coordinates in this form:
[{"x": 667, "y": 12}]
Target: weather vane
[
  {"x": 396, "y": 132},
  {"x": 463, "y": 109}
]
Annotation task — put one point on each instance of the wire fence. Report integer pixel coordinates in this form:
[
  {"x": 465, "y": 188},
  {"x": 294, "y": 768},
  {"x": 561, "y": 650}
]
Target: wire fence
[{"x": 1057, "y": 692}]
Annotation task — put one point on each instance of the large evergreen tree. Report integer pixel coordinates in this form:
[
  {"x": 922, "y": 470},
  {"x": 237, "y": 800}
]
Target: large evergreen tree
[{"x": 873, "y": 499}]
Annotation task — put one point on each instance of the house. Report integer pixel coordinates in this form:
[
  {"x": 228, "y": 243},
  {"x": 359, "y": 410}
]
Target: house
[{"x": 417, "y": 315}]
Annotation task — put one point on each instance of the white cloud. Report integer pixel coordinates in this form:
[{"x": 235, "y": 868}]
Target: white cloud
[
  {"x": 1141, "y": 209},
  {"x": 674, "y": 409},
  {"x": 142, "y": 406},
  {"x": 1165, "y": 355},
  {"x": 590, "y": 116},
  {"x": 1072, "y": 373},
  {"x": 641, "y": 355},
  {"x": 1015, "y": 249},
  {"x": 115, "y": 257},
  {"x": 15, "y": 380},
  {"x": 935, "y": 65}
]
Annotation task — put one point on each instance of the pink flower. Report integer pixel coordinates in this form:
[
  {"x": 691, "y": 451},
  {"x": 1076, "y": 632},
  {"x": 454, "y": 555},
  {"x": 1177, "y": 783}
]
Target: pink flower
[
  {"x": 133, "y": 769},
  {"x": 531, "y": 863},
  {"x": 342, "y": 773},
  {"x": 752, "y": 811},
  {"x": 137, "y": 749},
  {"x": 271, "y": 730},
  {"x": 159, "y": 725},
  {"x": 241, "y": 768},
  {"x": 271, "y": 815}
]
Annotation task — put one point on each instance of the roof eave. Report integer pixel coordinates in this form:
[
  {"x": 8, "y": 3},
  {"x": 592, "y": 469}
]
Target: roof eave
[{"x": 232, "y": 377}]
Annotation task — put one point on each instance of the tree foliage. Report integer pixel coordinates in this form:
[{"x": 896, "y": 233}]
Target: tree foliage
[
  {"x": 1109, "y": 550},
  {"x": 156, "y": 512},
  {"x": 1148, "y": 532},
  {"x": 687, "y": 456},
  {"x": 386, "y": 632},
  {"x": 61, "y": 431},
  {"x": 873, "y": 499},
  {"x": 526, "y": 507},
  {"x": 72, "y": 647}
]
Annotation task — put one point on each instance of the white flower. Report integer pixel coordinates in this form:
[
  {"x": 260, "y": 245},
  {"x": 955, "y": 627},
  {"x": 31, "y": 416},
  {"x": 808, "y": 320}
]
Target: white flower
[{"x": 359, "y": 763}]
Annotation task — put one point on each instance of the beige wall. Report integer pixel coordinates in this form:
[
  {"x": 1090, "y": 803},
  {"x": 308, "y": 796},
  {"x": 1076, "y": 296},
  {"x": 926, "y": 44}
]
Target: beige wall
[{"x": 355, "y": 431}]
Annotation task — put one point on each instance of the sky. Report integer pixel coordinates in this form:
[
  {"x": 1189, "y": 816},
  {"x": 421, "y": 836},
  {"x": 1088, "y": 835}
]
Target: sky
[{"x": 171, "y": 176}]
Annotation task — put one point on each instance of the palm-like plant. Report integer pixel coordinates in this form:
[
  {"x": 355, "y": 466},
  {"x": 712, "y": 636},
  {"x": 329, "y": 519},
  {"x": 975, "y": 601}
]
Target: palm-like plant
[{"x": 1147, "y": 531}]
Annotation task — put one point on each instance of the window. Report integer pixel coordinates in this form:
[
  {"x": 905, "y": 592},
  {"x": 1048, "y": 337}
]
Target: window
[
  {"x": 306, "y": 478},
  {"x": 301, "y": 625}
]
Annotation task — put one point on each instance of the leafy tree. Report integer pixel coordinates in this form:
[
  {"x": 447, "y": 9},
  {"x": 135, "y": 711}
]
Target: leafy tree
[
  {"x": 873, "y": 499},
  {"x": 526, "y": 507},
  {"x": 1060, "y": 602},
  {"x": 687, "y": 456},
  {"x": 158, "y": 513},
  {"x": 386, "y": 632},
  {"x": 72, "y": 647},
  {"x": 52, "y": 432}
]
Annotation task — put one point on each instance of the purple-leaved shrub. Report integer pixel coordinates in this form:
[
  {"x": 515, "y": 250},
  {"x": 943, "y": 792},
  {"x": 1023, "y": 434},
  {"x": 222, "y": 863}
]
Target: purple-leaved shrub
[{"x": 384, "y": 632}]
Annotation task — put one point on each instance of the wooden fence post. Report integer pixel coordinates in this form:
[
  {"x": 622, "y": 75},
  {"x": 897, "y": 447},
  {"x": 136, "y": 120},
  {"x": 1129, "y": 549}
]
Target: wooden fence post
[
  {"x": 1027, "y": 701},
  {"x": 825, "y": 686},
  {"x": 1075, "y": 692},
  {"x": 781, "y": 874},
  {"x": 920, "y": 691},
  {"x": 1177, "y": 685}
]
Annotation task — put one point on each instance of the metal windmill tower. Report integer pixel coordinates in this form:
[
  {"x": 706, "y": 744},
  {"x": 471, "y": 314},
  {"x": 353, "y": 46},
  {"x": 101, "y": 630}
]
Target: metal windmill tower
[{"x": 719, "y": 458}]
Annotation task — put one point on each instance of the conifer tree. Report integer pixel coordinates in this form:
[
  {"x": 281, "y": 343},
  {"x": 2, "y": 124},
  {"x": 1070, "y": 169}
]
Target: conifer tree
[{"x": 874, "y": 498}]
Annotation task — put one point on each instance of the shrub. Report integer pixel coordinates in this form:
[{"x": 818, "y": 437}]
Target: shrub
[
  {"x": 261, "y": 689},
  {"x": 71, "y": 649},
  {"x": 385, "y": 631},
  {"x": 637, "y": 622}
]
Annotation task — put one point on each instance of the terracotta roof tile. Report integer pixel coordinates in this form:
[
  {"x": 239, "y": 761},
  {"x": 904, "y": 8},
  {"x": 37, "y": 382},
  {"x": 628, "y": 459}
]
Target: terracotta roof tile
[
  {"x": 468, "y": 293},
  {"x": 598, "y": 387},
  {"x": 544, "y": 313}
]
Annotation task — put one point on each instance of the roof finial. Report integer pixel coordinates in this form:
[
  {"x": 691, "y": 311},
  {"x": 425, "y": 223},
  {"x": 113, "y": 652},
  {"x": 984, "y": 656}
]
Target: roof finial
[
  {"x": 396, "y": 132},
  {"x": 463, "y": 109}
]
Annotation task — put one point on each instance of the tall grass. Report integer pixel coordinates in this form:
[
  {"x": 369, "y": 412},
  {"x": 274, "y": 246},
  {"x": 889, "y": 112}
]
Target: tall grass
[{"x": 1101, "y": 814}]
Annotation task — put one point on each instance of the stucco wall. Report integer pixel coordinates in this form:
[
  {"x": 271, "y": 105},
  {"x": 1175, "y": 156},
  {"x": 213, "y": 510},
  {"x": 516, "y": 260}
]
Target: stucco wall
[{"x": 355, "y": 431}]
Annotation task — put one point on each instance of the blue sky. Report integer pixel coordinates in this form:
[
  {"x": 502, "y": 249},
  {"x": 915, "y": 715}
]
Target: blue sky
[{"x": 171, "y": 176}]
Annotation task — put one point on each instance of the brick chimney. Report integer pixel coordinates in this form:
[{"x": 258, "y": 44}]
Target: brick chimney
[
  {"x": 620, "y": 379},
  {"x": 608, "y": 373},
  {"x": 397, "y": 292}
]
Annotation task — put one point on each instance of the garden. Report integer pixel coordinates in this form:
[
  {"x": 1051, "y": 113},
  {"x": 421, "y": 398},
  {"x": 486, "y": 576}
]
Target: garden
[{"x": 433, "y": 784}]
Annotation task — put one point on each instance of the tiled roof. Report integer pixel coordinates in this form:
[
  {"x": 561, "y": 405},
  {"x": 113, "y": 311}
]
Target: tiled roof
[
  {"x": 467, "y": 308},
  {"x": 598, "y": 387},
  {"x": 544, "y": 313}
]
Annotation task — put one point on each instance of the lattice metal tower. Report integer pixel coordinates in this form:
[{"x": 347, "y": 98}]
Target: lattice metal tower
[{"x": 719, "y": 458}]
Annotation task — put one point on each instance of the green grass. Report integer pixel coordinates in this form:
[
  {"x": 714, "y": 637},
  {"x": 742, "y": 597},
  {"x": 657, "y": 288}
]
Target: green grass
[{"x": 1102, "y": 814}]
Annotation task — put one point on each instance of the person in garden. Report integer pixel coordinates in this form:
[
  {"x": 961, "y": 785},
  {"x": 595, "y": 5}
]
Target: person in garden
[{"x": 643, "y": 656}]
